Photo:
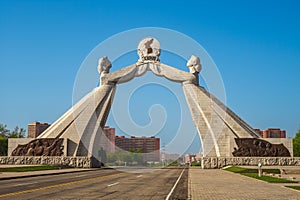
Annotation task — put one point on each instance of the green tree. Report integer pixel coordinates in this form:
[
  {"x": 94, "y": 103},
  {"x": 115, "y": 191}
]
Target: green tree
[
  {"x": 17, "y": 133},
  {"x": 112, "y": 157},
  {"x": 174, "y": 163},
  {"x": 138, "y": 157},
  {"x": 3, "y": 146},
  {"x": 4, "y": 132},
  {"x": 296, "y": 144},
  {"x": 132, "y": 157}
]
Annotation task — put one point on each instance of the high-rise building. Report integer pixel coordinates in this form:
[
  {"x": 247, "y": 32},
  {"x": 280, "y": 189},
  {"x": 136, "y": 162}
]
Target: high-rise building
[
  {"x": 149, "y": 146},
  {"x": 271, "y": 133},
  {"x": 36, "y": 128}
]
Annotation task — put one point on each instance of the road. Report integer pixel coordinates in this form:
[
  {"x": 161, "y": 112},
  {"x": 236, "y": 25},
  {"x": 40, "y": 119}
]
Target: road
[{"x": 100, "y": 184}]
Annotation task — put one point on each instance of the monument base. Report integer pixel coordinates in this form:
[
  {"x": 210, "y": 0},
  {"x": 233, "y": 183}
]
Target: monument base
[
  {"x": 220, "y": 162},
  {"x": 64, "y": 161}
]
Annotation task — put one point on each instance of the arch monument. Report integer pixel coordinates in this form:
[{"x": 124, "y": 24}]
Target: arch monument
[{"x": 222, "y": 132}]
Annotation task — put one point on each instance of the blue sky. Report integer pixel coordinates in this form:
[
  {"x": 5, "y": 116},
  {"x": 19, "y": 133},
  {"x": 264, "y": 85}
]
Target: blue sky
[{"x": 255, "y": 45}]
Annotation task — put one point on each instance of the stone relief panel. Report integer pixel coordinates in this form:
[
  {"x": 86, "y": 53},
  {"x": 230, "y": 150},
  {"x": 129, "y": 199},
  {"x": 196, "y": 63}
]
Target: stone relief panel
[
  {"x": 253, "y": 147},
  {"x": 40, "y": 147}
]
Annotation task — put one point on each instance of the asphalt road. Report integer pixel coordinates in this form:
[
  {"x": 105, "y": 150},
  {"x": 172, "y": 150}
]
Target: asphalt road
[{"x": 100, "y": 184}]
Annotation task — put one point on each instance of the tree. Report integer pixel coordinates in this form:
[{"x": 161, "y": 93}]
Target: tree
[
  {"x": 132, "y": 157},
  {"x": 17, "y": 133},
  {"x": 296, "y": 144},
  {"x": 3, "y": 146},
  {"x": 4, "y": 132}
]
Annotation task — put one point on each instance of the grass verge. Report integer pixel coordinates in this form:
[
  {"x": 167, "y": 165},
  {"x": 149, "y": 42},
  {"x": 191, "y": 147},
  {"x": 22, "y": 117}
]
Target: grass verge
[
  {"x": 294, "y": 187},
  {"x": 269, "y": 178},
  {"x": 28, "y": 168},
  {"x": 240, "y": 170},
  {"x": 253, "y": 173}
]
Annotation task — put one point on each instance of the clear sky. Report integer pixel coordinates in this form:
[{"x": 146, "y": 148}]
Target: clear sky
[{"x": 255, "y": 44}]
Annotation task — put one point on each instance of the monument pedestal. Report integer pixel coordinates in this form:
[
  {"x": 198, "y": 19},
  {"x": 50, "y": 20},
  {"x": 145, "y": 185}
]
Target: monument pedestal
[
  {"x": 220, "y": 162},
  {"x": 64, "y": 161}
]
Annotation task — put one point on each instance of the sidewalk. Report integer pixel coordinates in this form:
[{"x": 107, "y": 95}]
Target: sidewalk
[
  {"x": 13, "y": 175},
  {"x": 212, "y": 184}
]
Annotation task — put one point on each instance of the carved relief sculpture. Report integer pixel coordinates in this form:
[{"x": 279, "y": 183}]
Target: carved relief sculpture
[
  {"x": 253, "y": 147},
  {"x": 40, "y": 147}
]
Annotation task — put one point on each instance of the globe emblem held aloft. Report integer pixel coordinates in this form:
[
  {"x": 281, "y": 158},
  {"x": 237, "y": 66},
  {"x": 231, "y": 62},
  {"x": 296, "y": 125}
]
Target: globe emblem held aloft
[{"x": 149, "y": 50}]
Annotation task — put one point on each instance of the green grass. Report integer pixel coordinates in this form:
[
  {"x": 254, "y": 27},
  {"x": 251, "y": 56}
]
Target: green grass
[
  {"x": 28, "y": 168},
  {"x": 195, "y": 164},
  {"x": 241, "y": 170},
  {"x": 294, "y": 187},
  {"x": 253, "y": 173},
  {"x": 269, "y": 178}
]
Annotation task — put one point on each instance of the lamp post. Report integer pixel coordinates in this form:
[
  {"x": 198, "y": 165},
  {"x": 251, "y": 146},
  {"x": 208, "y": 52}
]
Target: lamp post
[{"x": 259, "y": 169}]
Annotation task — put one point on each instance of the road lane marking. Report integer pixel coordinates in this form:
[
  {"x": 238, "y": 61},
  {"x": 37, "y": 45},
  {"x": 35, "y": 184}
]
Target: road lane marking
[
  {"x": 21, "y": 184},
  {"x": 116, "y": 183},
  {"x": 173, "y": 188},
  {"x": 80, "y": 175},
  {"x": 139, "y": 176},
  {"x": 58, "y": 185}
]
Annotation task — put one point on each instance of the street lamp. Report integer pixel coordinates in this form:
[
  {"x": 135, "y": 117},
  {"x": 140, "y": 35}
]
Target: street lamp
[{"x": 259, "y": 169}]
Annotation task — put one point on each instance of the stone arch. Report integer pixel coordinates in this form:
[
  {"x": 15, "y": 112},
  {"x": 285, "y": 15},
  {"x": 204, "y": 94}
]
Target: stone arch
[
  {"x": 221, "y": 131},
  {"x": 82, "y": 125}
]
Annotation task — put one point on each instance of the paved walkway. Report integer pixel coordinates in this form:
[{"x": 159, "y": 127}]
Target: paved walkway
[{"x": 212, "y": 184}]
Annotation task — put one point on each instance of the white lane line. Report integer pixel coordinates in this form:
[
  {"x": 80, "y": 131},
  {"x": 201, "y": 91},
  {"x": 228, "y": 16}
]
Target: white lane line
[
  {"x": 116, "y": 183},
  {"x": 173, "y": 188},
  {"x": 139, "y": 176},
  {"x": 80, "y": 175},
  {"x": 20, "y": 184}
]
